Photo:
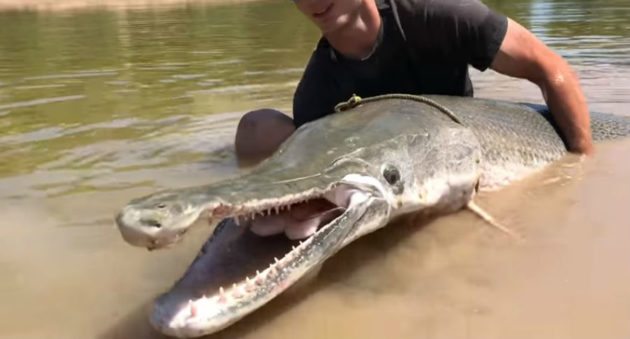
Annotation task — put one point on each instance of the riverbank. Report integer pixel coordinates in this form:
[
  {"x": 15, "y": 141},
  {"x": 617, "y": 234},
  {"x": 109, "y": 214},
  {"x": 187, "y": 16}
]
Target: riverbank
[{"x": 56, "y": 5}]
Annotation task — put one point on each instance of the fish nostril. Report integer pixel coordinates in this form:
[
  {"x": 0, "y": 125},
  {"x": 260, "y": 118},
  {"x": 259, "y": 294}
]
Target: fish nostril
[{"x": 151, "y": 222}]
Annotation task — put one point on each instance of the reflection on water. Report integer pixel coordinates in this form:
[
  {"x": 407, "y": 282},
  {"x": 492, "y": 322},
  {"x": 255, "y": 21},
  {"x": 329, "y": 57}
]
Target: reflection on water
[
  {"x": 99, "y": 106},
  {"x": 118, "y": 89}
]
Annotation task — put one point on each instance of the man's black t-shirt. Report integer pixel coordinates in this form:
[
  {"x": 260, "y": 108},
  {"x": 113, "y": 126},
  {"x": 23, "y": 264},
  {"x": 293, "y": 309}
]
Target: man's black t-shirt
[{"x": 423, "y": 47}]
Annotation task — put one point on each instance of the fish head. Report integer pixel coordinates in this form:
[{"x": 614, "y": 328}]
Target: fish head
[{"x": 427, "y": 172}]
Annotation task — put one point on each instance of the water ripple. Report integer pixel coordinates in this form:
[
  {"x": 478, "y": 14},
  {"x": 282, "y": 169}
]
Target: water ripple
[
  {"x": 73, "y": 75},
  {"x": 148, "y": 91},
  {"x": 43, "y": 101}
]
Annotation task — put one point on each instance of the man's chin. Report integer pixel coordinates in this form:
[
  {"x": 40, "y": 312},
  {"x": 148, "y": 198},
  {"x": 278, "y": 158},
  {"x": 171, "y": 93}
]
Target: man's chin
[
  {"x": 328, "y": 29},
  {"x": 333, "y": 26}
]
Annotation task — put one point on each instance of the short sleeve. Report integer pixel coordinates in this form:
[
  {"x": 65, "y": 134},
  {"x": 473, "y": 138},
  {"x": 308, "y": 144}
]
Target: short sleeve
[{"x": 455, "y": 30}]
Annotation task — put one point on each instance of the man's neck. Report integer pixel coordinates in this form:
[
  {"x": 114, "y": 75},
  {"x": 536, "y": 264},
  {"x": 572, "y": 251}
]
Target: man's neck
[{"x": 357, "y": 39}]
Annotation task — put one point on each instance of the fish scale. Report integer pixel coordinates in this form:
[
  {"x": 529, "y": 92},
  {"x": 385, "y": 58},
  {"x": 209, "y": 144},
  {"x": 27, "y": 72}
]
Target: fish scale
[{"x": 518, "y": 139}]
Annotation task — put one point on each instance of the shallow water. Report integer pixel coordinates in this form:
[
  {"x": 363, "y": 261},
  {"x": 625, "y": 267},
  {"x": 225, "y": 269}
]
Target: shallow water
[{"x": 99, "y": 106}]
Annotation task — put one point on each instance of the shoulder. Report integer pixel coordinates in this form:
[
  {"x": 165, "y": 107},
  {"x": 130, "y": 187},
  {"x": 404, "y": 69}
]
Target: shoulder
[
  {"x": 440, "y": 7},
  {"x": 321, "y": 57},
  {"x": 461, "y": 30},
  {"x": 318, "y": 69},
  {"x": 318, "y": 89},
  {"x": 439, "y": 13}
]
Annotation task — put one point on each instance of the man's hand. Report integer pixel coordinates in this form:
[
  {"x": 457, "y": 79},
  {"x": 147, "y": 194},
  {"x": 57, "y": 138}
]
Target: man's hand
[{"x": 522, "y": 55}]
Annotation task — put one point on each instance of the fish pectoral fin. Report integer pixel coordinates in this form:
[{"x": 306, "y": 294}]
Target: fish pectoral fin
[{"x": 480, "y": 212}]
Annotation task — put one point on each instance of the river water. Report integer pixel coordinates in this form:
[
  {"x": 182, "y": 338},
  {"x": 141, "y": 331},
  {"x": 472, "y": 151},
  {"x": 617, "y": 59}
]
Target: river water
[{"x": 99, "y": 105}]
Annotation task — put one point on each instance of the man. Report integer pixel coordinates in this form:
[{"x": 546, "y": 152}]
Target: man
[{"x": 372, "y": 47}]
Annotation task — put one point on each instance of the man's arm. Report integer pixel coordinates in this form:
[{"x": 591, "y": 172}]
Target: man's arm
[{"x": 524, "y": 56}]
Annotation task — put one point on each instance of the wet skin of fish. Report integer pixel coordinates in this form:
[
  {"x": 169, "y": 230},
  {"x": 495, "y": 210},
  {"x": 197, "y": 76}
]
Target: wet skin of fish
[{"x": 377, "y": 160}]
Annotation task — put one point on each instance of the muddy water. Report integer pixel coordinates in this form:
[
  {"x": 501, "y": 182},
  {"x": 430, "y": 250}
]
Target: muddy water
[{"x": 100, "y": 106}]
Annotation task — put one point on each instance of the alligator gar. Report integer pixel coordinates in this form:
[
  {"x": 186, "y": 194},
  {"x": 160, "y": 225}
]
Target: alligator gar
[{"x": 366, "y": 166}]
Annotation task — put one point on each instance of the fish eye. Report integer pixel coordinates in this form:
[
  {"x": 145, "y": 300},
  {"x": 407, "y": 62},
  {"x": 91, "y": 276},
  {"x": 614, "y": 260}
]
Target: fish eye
[
  {"x": 161, "y": 205},
  {"x": 391, "y": 174}
]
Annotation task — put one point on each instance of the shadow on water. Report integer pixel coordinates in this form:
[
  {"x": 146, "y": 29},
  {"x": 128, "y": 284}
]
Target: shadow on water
[{"x": 133, "y": 325}]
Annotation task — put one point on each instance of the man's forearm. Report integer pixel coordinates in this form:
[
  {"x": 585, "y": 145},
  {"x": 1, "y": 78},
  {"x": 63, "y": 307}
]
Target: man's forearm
[
  {"x": 524, "y": 56},
  {"x": 568, "y": 106}
]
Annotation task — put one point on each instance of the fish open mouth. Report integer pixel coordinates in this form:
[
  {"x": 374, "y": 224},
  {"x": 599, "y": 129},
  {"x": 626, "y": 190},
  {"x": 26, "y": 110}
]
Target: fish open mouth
[{"x": 243, "y": 266}]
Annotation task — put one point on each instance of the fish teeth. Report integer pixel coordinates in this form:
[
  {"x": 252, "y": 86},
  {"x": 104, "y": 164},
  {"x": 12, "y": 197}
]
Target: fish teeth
[
  {"x": 193, "y": 308},
  {"x": 222, "y": 297},
  {"x": 250, "y": 287}
]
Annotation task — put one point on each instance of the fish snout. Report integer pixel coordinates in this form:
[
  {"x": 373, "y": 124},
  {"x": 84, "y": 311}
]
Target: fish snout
[{"x": 144, "y": 229}]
